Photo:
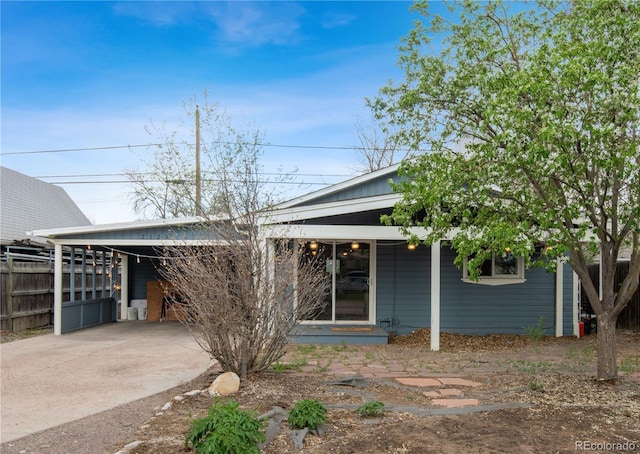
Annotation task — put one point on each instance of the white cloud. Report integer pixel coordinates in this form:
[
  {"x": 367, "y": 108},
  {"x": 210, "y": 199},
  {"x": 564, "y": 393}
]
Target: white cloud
[
  {"x": 334, "y": 19},
  {"x": 247, "y": 24}
]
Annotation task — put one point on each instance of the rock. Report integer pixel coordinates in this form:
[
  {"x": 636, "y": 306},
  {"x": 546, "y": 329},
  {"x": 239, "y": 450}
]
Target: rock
[
  {"x": 178, "y": 398},
  {"x": 130, "y": 447},
  {"x": 166, "y": 407},
  {"x": 226, "y": 383},
  {"x": 195, "y": 392},
  {"x": 298, "y": 437}
]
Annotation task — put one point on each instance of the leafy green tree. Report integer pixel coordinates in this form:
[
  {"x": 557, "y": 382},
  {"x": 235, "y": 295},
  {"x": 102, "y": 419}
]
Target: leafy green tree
[{"x": 530, "y": 115}]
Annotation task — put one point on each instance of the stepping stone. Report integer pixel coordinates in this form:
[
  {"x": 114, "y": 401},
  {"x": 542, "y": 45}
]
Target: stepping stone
[
  {"x": 432, "y": 394},
  {"x": 418, "y": 381},
  {"x": 455, "y": 403},
  {"x": 447, "y": 392},
  {"x": 454, "y": 381}
]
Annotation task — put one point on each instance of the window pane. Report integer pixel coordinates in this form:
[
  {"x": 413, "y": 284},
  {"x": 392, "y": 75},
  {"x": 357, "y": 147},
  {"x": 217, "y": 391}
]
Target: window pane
[
  {"x": 506, "y": 264},
  {"x": 485, "y": 268}
]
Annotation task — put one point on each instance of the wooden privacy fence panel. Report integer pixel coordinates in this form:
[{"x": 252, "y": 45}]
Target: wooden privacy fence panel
[
  {"x": 26, "y": 293},
  {"x": 26, "y": 298},
  {"x": 629, "y": 318}
]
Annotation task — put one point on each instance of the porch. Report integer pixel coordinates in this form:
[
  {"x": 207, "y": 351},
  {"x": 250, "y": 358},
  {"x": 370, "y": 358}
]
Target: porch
[{"x": 339, "y": 334}]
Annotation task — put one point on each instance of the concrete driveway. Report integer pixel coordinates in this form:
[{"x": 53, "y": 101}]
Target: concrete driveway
[{"x": 50, "y": 380}]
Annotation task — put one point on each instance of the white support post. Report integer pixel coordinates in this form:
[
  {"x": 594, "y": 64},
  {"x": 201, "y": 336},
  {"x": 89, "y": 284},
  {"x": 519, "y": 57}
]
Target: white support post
[
  {"x": 72, "y": 275},
  {"x": 559, "y": 296},
  {"x": 124, "y": 286},
  {"x": 576, "y": 309},
  {"x": 57, "y": 290},
  {"x": 435, "y": 296},
  {"x": 83, "y": 282}
]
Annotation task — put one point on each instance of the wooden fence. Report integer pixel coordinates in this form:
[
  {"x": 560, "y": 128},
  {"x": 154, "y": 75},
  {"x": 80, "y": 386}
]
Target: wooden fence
[
  {"x": 26, "y": 293},
  {"x": 629, "y": 318}
]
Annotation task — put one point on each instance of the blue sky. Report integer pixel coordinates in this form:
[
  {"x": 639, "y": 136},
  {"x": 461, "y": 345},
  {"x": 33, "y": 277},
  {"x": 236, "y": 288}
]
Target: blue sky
[{"x": 94, "y": 74}]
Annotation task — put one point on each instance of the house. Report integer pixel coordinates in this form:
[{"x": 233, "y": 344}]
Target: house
[
  {"x": 378, "y": 283},
  {"x": 28, "y": 204}
]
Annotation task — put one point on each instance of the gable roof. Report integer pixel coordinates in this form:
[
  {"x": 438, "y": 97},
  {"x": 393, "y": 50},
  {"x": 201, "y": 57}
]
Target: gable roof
[
  {"x": 27, "y": 204},
  {"x": 367, "y": 185}
]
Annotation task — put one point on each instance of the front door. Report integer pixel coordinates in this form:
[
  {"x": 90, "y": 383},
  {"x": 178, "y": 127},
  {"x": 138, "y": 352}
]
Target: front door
[{"x": 348, "y": 280}]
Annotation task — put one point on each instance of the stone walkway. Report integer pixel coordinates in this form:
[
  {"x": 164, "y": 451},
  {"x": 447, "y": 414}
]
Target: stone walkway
[{"x": 444, "y": 391}]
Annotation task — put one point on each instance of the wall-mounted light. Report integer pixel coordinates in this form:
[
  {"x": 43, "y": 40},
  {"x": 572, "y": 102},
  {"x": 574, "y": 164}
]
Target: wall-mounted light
[
  {"x": 411, "y": 246},
  {"x": 507, "y": 249},
  {"x": 313, "y": 245},
  {"x": 355, "y": 245},
  {"x": 88, "y": 247},
  {"x": 137, "y": 259},
  {"x": 345, "y": 253}
]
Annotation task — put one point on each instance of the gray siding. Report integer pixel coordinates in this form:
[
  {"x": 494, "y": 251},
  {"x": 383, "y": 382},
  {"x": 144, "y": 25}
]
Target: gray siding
[
  {"x": 480, "y": 309},
  {"x": 139, "y": 275},
  {"x": 404, "y": 294},
  {"x": 375, "y": 187},
  {"x": 403, "y": 286}
]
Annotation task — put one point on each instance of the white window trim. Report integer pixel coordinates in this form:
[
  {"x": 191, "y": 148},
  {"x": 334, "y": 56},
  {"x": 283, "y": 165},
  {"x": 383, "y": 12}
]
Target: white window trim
[{"x": 503, "y": 279}]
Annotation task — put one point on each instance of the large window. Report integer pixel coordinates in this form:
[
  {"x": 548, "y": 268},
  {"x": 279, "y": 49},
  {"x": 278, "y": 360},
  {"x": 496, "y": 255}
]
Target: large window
[
  {"x": 502, "y": 269},
  {"x": 347, "y": 280}
]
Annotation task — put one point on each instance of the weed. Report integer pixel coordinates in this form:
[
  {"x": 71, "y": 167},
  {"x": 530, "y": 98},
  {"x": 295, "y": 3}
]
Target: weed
[
  {"x": 307, "y": 413},
  {"x": 535, "y": 386},
  {"x": 296, "y": 364},
  {"x": 226, "y": 429},
  {"x": 536, "y": 332},
  {"x": 526, "y": 366},
  {"x": 305, "y": 349},
  {"x": 340, "y": 347},
  {"x": 630, "y": 364},
  {"x": 371, "y": 409}
]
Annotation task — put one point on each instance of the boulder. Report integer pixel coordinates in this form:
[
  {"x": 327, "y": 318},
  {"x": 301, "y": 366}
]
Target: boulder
[{"x": 226, "y": 383}]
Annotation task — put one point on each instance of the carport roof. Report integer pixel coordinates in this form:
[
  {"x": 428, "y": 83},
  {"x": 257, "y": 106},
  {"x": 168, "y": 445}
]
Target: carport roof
[{"x": 140, "y": 233}]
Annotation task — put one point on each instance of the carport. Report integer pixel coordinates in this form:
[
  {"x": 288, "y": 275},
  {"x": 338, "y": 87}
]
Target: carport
[{"x": 124, "y": 254}]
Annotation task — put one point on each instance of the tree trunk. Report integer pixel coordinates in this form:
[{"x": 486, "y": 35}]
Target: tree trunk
[
  {"x": 243, "y": 360},
  {"x": 606, "y": 342}
]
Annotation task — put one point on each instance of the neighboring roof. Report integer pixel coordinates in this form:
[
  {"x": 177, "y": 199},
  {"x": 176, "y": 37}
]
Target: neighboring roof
[{"x": 27, "y": 204}]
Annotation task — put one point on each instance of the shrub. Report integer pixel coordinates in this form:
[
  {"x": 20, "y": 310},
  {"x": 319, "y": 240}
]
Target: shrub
[
  {"x": 226, "y": 430},
  {"x": 371, "y": 409},
  {"x": 307, "y": 413}
]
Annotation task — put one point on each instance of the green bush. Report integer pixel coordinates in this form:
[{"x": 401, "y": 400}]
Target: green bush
[
  {"x": 307, "y": 413},
  {"x": 371, "y": 409},
  {"x": 226, "y": 430}
]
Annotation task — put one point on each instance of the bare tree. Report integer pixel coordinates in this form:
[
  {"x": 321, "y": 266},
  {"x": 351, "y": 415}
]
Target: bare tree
[
  {"x": 244, "y": 292},
  {"x": 165, "y": 186},
  {"x": 377, "y": 149}
]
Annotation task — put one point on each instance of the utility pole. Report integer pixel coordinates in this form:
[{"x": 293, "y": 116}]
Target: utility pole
[{"x": 198, "y": 181}]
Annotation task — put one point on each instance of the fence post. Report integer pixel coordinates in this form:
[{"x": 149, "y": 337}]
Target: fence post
[{"x": 10, "y": 293}]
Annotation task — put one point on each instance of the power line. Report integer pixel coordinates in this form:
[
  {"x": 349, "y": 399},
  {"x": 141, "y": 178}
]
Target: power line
[
  {"x": 301, "y": 183},
  {"x": 65, "y": 150},
  {"x": 104, "y": 175},
  {"x": 116, "y": 147}
]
